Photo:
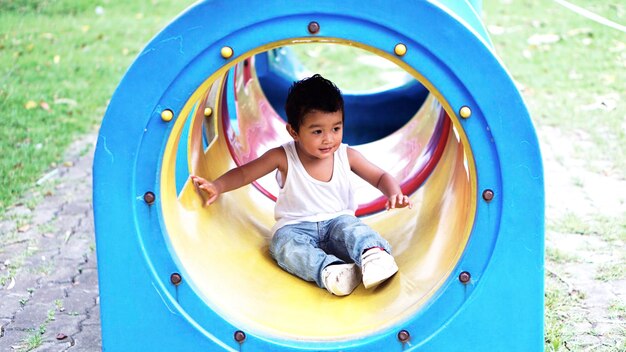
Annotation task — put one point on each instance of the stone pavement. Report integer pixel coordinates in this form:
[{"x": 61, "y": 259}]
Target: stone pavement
[{"x": 48, "y": 276}]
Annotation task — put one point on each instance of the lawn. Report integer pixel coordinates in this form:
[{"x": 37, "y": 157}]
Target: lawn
[{"x": 60, "y": 62}]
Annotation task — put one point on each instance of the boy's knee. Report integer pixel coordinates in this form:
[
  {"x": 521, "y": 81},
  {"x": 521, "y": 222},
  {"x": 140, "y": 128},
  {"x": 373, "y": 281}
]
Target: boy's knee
[{"x": 287, "y": 241}]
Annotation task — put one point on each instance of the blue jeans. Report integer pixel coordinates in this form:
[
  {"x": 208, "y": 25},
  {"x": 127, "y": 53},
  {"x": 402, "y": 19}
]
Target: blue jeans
[{"x": 306, "y": 248}]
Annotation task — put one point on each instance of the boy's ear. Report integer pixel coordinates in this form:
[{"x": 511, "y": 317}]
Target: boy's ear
[{"x": 292, "y": 132}]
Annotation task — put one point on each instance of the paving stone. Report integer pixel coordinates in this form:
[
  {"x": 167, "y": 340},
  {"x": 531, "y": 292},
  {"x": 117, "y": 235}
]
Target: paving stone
[
  {"x": 80, "y": 299},
  {"x": 77, "y": 208},
  {"x": 53, "y": 268},
  {"x": 63, "y": 272},
  {"x": 88, "y": 340},
  {"x": 44, "y": 216},
  {"x": 32, "y": 316},
  {"x": 4, "y": 322},
  {"x": 13, "y": 339},
  {"x": 24, "y": 281},
  {"x": 11, "y": 303},
  {"x": 5, "y": 228},
  {"x": 93, "y": 316},
  {"x": 88, "y": 278},
  {"x": 65, "y": 324},
  {"x": 18, "y": 211},
  {"x": 54, "y": 346}
]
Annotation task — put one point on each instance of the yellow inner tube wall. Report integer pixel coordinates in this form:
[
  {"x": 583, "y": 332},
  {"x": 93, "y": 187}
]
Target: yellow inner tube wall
[{"x": 222, "y": 249}]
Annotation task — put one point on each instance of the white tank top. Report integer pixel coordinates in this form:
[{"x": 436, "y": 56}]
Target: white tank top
[{"x": 303, "y": 198}]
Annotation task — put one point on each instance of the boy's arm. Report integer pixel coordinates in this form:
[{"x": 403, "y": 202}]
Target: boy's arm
[
  {"x": 380, "y": 179},
  {"x": 240, "y": 176}
]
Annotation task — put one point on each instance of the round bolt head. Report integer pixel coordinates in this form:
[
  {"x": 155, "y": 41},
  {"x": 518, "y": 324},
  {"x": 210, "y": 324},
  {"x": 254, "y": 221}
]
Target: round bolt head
[
  {"x": 208, "y": 112},
  {"x": 167, "y": 115},
  {"x": 465, "y": 112},
  {"x": 149, "y": 198},
  {"x": 465, "y": 277},
  {"x": 240, "y": 336},
  {"x": 176, "y": 279},
  {"x": 400, "y": 49},
  {"x": 404, "y": 336},
  {"x": 227, "y": 52},
  {"x": 488, "y": 195},
  {"x": 313, "y": 27}
]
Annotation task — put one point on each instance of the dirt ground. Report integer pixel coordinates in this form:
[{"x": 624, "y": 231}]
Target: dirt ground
[{"x": 585, "y": 252}]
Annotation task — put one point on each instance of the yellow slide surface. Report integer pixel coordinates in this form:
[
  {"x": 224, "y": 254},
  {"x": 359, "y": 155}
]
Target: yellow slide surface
[{"x": 223, "y": 248}]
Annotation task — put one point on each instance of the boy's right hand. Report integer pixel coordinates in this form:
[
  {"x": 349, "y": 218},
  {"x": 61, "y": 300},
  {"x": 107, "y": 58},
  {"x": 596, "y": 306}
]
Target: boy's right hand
[{"x": 202, "y": 184}]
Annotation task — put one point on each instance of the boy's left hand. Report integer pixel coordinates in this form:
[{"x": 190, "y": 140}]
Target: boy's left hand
[{"x": 398, "y": 200}]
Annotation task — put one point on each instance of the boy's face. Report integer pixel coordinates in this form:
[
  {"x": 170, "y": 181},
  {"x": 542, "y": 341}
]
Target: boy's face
[{"x": 320, "y": 133}]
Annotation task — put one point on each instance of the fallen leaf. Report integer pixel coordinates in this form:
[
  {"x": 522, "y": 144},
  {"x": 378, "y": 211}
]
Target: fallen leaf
[
  {"x": 540, "y": 39},
  {"x": 579, "y": 31},
  {"x": 61, "y": 336},
  {"x": 30, "y": 105},
  {"x": 65, "y": 101},
  {"x": 44, "y": 105},
  {"x": 573, "y": 75},
  {"x": 56, "y": 59},
  {"x": 11, "y": 283},
  {"x": 23, "y": 228},
  {"x": 496, "y": 30}
]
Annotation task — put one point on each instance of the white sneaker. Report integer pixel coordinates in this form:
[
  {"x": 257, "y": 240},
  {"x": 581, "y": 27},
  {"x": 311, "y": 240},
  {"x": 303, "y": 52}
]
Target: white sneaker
[
  {"x": 377, "y": 266},
  {"x": 341, "y": 279}
]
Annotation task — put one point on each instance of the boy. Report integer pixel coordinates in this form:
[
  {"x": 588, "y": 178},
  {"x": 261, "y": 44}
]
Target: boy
[{"x": 316, "y": 236}]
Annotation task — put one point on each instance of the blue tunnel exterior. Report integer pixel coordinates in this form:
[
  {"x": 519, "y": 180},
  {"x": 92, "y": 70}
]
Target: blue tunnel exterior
[{"x": 502, "y": 307}]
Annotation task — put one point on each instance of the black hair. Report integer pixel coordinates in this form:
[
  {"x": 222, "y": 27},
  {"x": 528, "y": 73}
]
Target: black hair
[{"x": 312, "y": 93}]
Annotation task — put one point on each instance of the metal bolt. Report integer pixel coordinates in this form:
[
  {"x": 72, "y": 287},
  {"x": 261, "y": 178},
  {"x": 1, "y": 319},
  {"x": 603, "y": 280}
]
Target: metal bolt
[
  {"x": 208, "y": 112},
  {"x": 240, "y": 336},
  {"x": 149, "y": 197},
  {"x": 488, "y": 195},
  {"x": 400, "y": 49},
  {"x": 404, "y": 336},
  {"x": 465, "y": 277},
  {"x": 313, "y": 27},
  {"x": 176, "y": 279},
  {"x": 465, "y": 112},
  {"x": 227, "y": 52},
  {"x": 167, "y": 115}
]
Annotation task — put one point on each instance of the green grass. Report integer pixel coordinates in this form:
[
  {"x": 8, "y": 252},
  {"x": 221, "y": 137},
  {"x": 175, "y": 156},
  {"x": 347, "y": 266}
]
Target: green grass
[
  {"x": 559, "y": 318},
  {"x": 34, "y": 339},
  {"x": 350, "y": 68},
  {"x": 557, "y": 256},
  {"x": 59, "y": 64},
  {"x": 612, "y": 271},
  {"x": 565, "y": 83},
  {"x": 609, "y": 228}
]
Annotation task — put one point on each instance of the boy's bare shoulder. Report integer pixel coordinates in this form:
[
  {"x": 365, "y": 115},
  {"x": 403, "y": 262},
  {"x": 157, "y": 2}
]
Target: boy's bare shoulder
[
  {"x": 277, "y": 152},
  {"x": 353, "y": 153},
  {"x": 276, "y": 156}
]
